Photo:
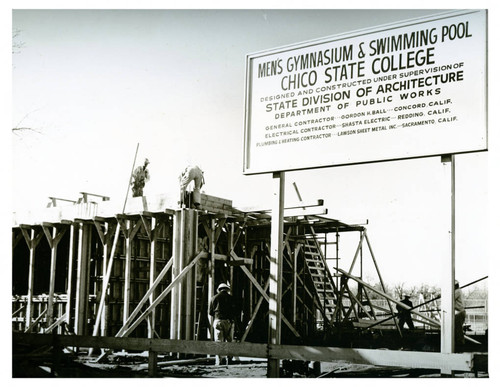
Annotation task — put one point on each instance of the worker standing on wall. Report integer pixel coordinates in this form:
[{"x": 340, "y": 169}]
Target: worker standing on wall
[
  {"x": 139, "y": 179},
  {"x": 195, "y": 174},
  {"x": 222, "y": 311}
]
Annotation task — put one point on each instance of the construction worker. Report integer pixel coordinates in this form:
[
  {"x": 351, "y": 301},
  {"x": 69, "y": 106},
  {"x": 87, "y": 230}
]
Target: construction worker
[
  {"x": 404, "y": 314},
  {"x": 139, "y": 179},
  {"x": 195, "y": 174},
  {"x": 459, "y": 315},
  {"x": 222, "y": 312}
]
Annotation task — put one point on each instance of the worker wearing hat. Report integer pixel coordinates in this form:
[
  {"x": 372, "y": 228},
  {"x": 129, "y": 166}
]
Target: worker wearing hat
[
  {"x": 223, "y": 312},
  {"x": 139, "y": 179}
]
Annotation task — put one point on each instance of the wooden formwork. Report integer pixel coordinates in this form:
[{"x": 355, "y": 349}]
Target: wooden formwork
[
  {"x": 152, "y": 273},
  {"x": 115, "y": 252}
]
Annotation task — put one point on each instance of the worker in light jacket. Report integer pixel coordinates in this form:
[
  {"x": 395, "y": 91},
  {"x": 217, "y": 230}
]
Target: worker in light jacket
[
  {"x": 192, "y": 174},
  {"x": 139, "y": 179}
]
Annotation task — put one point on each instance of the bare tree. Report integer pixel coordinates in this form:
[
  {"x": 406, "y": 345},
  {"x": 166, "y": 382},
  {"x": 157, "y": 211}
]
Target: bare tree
[
  {"x": 399, "y": 289},
  {"x": 17, "y": 129},
  {"x": 17, "y": 45}
]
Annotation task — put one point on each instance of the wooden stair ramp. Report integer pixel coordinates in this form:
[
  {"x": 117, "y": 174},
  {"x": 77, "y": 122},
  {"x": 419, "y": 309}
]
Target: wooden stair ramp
[{"x": 324, "y": 285}]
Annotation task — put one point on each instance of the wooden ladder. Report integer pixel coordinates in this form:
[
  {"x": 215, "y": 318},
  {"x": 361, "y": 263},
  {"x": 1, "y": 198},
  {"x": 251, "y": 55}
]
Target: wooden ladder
[{"x": 320, "y": 274}]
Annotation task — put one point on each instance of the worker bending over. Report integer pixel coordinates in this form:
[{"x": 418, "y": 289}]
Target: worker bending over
[{"x": 192, "y": 174}]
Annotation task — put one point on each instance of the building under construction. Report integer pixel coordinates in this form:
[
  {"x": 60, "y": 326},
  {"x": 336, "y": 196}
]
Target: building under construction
[{"x": 90, "y": 275}]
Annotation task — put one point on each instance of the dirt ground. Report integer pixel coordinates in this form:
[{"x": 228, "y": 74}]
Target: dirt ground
[{"x": 123, "y": 365}]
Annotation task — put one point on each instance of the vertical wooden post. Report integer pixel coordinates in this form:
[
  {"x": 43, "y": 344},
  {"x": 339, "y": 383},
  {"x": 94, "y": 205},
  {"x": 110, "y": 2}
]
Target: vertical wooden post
[
  {"x": 152, "y": 276},
  {"x": 32, "y": 241},
  {"x": 130, "y": 229},
  {"x": 185, "y": 245},
  {"x": 105, "y": 262},
  {"x": 448, "y": 271},
  {"x": 82, "y": 278},
  {"x": 128, "y": 263},
  {"x": 180, "y": 289},
  {"x": 53, "y": 240},
  {"x": 276, "y": 268},
  {"x": 337, "y": 257},
  {"x": 190, "y": 240},
  {"x": 295, "y": 274},
  {"x": 250, "y": 301},
  {"x": 176, "y": 253},
  {"x": 70, "y": 272},
  {"x": 211, "y": 277},
  {"x": 53, "y": 261},
  {"x": 105, "y": 280},
  {"x": 31, "y": 282},
  {"x": 78, "y": 287},
  {"x": 152, "y": 364},
  {"x": 230, "y": 242},
  {"x": 185, "y": 299}
]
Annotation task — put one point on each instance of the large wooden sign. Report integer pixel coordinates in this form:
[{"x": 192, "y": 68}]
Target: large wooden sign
[{"x": 405, "y": 90}]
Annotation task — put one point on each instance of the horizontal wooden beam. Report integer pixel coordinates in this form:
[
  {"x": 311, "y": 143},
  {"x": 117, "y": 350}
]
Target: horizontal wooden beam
[
  {"x": 54, "y": 199},
  {"x": 295, "y": 212},
  {"x": 235, "y": 260},
  {"x": 357, "y": 222},
  {"x": 151, "y": 214},
  {"x": 143, "y": 344},
  {"x": 103, "y": 219},
  {"x": 86, "y": 194},
  {"x": 51, "y": 224},
  {"x": 231, "y": 259},
  {"x": 127, "y": 216},
  {"x": 84, "y": 220},
  {"x": 317, "y": 203},
  {"x": 407, "y": 359},
  {"x": 29, "y": 226}
]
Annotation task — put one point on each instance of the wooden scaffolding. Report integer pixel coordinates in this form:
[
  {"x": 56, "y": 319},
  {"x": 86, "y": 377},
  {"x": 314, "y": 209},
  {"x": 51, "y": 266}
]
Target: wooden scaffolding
[
  {"x": 151, "y": 273},
  {"x": 142, "y": 280}
]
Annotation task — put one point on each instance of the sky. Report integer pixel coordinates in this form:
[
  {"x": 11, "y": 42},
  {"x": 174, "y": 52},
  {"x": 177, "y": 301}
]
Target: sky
[{"x": 92, "y": 84}]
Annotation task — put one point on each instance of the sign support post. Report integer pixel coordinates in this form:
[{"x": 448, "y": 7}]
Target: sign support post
[
  {"x": 448, "y": 276},
  {"x": 276, "y": 269}
]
